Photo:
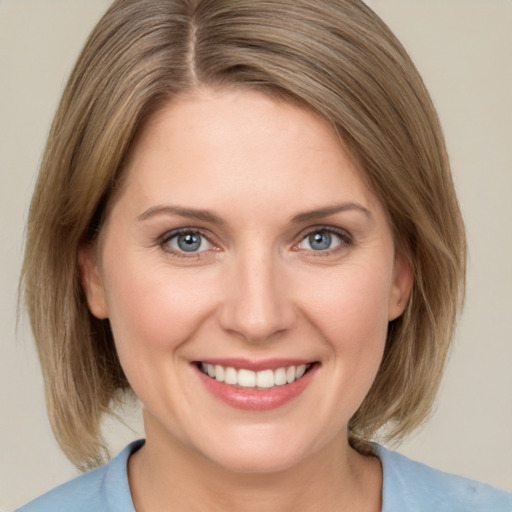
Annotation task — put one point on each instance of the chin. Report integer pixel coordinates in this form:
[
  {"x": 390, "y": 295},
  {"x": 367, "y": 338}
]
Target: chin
[
  {"x": 257, "y": 461},
  {"x": 260, "y": 451}
]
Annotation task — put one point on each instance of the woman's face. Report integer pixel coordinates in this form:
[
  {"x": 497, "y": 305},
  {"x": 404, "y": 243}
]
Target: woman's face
[{"x": 245, "y": 244}]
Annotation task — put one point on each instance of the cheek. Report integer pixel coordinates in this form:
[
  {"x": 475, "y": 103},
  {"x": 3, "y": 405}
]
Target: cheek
[
  {"x": 154, "y": 309},
  {"x": 351, "y": 304},
  {"x": 349, "y": 311}
]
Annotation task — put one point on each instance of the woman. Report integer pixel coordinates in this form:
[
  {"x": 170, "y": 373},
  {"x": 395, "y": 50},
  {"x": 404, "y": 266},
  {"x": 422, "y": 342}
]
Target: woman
[{"x": 245, "y": 216}]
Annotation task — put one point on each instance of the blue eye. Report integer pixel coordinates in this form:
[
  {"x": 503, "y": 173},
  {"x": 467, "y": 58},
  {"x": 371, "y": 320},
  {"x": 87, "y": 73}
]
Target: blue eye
[
  {"x": 320, "y": 240},
  {"x": 188, "y": 241}
]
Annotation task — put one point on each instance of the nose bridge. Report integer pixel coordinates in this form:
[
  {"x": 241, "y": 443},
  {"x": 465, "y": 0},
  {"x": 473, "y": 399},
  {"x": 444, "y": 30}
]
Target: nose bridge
[{"x": 256, "y": 305}]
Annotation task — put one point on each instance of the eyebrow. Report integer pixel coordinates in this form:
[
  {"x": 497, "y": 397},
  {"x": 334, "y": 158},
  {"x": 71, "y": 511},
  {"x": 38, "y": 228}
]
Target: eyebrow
[
  {"x": 208, "y": 216},
  {"x": 331, "y": 210},
  {"x": 191, "y": 213}
]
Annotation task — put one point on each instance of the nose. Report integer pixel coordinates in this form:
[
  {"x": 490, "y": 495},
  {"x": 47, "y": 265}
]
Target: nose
[{"x": 256, "y": 305}]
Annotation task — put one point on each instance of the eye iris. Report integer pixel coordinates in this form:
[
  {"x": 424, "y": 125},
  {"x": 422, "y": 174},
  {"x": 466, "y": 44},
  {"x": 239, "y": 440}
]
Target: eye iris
[
  {"x": 189, "y": 242},
  {"x": 320, "y": 241}
]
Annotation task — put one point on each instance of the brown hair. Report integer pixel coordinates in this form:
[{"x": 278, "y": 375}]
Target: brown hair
[{"x": 335, "y": 57}]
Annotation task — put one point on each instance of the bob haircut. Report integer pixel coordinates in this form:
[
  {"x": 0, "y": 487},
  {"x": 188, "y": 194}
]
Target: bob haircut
[{"x": 335, "y": 57}]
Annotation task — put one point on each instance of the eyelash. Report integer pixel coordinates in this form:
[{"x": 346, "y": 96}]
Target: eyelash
[
  {"x": 167, "y": 237},
  {"x": 346, "y": 240},
  {"x": 345, "y": 237}
]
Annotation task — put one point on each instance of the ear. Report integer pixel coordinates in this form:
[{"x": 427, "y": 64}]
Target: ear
[
  {"x": 400, "y": 287},
  {"x": 91, "y": 280}
]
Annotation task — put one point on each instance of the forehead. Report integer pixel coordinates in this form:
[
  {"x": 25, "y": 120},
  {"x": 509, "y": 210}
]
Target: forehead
[
  {"x": 232, "y": 145},
  {"x": 212, "y": 116}
]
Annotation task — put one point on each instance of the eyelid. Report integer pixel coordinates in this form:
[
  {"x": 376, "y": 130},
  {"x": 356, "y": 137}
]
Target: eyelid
[
  {"x": 346, "y": 239},
  {"x": 163, "y": 241},
  {"x": 345, "y": 236}
]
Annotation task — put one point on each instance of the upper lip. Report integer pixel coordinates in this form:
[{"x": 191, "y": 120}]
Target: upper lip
[{"x": 256, "y": 365}]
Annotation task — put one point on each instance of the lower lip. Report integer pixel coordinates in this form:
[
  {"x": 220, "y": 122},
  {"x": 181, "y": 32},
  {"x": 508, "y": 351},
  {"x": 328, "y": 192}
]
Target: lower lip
[{"x": 254, "y": 399}]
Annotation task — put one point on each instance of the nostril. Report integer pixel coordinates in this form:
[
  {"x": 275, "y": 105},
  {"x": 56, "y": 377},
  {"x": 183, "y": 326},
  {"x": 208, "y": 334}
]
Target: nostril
[
  {"x": 254, "y": 304},
  {"x": 256, "y": 323}
]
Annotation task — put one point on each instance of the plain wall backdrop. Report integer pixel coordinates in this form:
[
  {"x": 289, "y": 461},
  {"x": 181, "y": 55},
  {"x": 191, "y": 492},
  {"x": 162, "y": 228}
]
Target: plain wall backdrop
[{"x": 463, "y": 48}]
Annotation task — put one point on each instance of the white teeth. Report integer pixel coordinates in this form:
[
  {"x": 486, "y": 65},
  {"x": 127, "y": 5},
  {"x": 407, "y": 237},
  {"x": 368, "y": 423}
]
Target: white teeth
[
  {"x": 280, "y": 376},
  {"x": 265, "y": 379},
  {"x": 249, "y": 379},
  {"x": 231, "y": 376},
  {"x": 301, "y": 370},
  {"x": 246, "y": 378},
  {"x": 219, "y": 373},
  {"x": 290, "y": 374}
]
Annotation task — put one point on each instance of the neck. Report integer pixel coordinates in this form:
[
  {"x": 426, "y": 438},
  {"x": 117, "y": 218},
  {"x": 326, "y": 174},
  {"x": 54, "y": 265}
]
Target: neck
[{"x": 166, "y": 475}]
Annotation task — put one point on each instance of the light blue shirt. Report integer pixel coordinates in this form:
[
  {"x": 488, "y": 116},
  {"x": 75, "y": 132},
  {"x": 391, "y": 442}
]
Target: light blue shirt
[{"x": 408, "y": 487}]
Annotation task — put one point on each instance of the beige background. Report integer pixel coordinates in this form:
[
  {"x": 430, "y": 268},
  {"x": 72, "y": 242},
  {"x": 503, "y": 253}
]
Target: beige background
[{"x": 464, "y": 50}]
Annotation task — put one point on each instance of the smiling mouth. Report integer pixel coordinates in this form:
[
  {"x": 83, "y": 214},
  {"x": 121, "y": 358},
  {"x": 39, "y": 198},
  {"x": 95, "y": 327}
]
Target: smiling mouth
[{"x": 263, "y": 379}]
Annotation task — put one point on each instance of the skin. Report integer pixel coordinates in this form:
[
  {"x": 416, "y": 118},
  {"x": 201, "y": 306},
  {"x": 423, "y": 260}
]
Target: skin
[{"x": 257, "y": 289}]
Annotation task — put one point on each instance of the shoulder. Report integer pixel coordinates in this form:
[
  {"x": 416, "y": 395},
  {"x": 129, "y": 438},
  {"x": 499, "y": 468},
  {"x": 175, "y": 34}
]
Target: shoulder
[
  {"x": 103, "y": 490},
  {"x": 412, "y": 486}
]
